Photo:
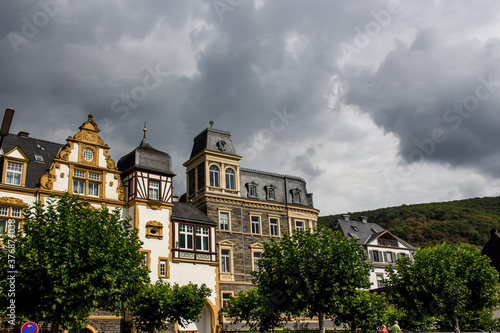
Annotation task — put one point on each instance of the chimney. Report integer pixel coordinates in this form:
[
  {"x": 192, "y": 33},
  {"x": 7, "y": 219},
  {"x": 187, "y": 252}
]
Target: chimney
[
  {"x": 346, "y": 217},
  {"x": 364, "y": 219},
  {"x": 23, "y": 134}
]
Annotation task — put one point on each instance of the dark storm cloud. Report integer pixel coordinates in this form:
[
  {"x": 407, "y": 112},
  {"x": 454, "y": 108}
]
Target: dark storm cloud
[{"x": 440, "y": 98}]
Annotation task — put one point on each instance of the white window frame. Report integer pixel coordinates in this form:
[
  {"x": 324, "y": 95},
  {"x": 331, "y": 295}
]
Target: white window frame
[
  {"x": 272, "y": 226},
  {"x": 14, "y": 170},
  {"x": 297, "y": 225},
  {"x": 154, "y": 189},
  {"x": 163, "y": 267},
  {"x": 255, "y": 226},
  {"x": 256, "y": 256},
  {"x": 186, "y": 232},
  {"x": 214, "y": 175},
  {"x": 230, "y": 179},
  {"x": 227, "y": 226},
  {"x": 225, "y": 261},
  {"x": 203, "y": 236}
]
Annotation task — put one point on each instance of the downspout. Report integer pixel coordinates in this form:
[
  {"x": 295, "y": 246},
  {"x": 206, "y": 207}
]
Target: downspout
[
  {"x": 243, "y": 243},
  {"x": 286, "y": 206}
]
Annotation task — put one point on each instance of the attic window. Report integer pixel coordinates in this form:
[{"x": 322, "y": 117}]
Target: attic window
[
  {"x": 354, "y": 227},
  {"x": 353, "y": 235},
  {"x": 38, "y": 158},
  {"x": 375, "y": 231}
]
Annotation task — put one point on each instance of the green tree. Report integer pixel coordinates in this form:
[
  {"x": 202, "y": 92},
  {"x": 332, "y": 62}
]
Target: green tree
[
  {"x": 71, "y": 259},
  {"x": 311, "y": 274},
  {"x": 364, "y": 310},
  {"x": 253, "y": 308},
  {"x": 159, "y": 304},
  {"x": 451, "y": 284}
]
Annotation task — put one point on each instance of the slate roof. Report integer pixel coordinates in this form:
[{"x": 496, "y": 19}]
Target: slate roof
[
  {"x": 187, "y": 212},
  {"x": 364, "y": 232},
  {"x": 210, "y": 139},
  {"x": 31, "y": 146},
  {"x": 146, "y": 158}
]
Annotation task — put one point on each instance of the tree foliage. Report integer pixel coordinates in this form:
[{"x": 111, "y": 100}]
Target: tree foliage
[
  {"x": 311, "y": 274},
  {"x": 254, "y": 309},
  {"x": 455, "y": 222},
  {"x": 71, "y": 259},
  {"x": 450, "y": 285},
  {"x": 159, "y": 304},
  {"x": 364, "y": 310}
]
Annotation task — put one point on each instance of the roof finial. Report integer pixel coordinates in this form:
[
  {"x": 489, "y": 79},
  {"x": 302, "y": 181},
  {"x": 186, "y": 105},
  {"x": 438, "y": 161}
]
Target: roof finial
[
  {"x": 145, "y": 129},
  {"x": 211, "y": 124}
]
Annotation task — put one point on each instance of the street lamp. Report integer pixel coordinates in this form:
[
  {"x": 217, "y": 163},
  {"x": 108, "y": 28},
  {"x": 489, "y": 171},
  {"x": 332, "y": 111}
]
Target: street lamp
[{"x": 7, "y": 120}]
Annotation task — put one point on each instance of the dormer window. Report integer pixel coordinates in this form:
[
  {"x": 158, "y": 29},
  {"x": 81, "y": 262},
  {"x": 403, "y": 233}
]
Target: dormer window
[
  {"x": 230, "y": 179},
  {"x": 271, "y": 192},
  {"x": 214, "y": 176},
  {"x": 252, "y": 190},
  {"x": 296, "y": 196},
  {"x": 14, "y": 173}
]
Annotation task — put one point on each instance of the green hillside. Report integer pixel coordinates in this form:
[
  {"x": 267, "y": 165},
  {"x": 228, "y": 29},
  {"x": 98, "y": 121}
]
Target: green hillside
[{"x": 454, "y": 222}]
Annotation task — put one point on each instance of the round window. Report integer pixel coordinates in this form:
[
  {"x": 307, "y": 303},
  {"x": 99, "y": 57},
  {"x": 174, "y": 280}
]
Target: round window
[
  {"x": 88, "y": 154},
  {"x": 153, "y": 231}
]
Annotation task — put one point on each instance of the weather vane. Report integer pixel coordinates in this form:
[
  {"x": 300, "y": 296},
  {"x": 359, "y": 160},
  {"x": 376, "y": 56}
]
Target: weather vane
[
  {"x": 211, "y": 124},
  {"x": 145, "y": 129}
]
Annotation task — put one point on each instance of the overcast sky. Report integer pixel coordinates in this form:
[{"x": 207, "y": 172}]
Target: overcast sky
[{"x": 373, "y": 103}]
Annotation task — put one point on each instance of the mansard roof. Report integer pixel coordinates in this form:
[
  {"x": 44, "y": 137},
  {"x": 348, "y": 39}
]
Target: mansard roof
[
  {"x": 31, "y": 147},
  {"x": 146, "y": 158},
  {"x": 214, "y": 140},
  {"x": 364, "y": 232}
]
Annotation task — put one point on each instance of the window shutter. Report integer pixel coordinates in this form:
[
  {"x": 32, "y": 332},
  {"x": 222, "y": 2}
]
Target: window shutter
[{"x": 371, "y": 255}]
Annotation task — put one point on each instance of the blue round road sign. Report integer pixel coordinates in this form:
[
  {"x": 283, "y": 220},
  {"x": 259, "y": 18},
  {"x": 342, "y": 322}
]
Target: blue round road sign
[{"x": 29, "y": 327}]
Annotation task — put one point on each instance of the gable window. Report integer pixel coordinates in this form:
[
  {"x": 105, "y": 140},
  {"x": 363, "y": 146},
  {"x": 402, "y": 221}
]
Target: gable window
[
  {"x": 255, "y": 221},
  {"x": 186, "y": 237},
  {"x": 225, "y": 260},
  {"x": 154, "y": 190},
  {"x": 230, "y": 179},
  {"x": 296, "y": 196},
  {"x": 214, "y": 176},
  {"x": 86, "y": 183},
  {"x": 14, "y": 173},
  {"x": 202, "y": 238},
  {"x": 273, "y": 227},
  {"x": 223, "y": 221}
]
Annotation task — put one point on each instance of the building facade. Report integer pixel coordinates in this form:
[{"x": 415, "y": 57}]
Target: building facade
[
  {"x": 140, "y": 185},
  {"x": 251, "y": 207},
  {"x": 381, "y": 247}
]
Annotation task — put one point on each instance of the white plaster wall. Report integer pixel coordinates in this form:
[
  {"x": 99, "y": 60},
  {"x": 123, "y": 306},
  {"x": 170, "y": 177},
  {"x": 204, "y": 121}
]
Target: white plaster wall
[
  {"x": 183, "y": 273},
  {"x": 62, "y": 184},
  {"x": 28, "y": 199},
  {"x": 73, "y": 157},
  {"x": 111, "y": 190},
  {"x": 102, "y": 158},
  {"x": 204, "y": 325}
]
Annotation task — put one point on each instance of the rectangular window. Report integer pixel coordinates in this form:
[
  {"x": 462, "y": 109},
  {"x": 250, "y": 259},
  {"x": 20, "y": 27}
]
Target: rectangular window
[
  {"x": 186, "y": 237},
  {"x": 14, "y": 173},
  {"x": 16, "y": 212},
  {"x": 78, "y": 186},
  {"x": 255, "y": 224},
  {"x": 162, "y": 270},
  {"x": 78, "y": 173},
  {"x": 376, "y": 256},
  {"x": 202, "y": 238},
  {"x": 389, "y": 257},
  {"x": 154, "y": 190},
  {"x": 252, "y": 191},
  {"x": 226, "y": 296},
  {"x": 94, "y": 176},
  {"x": 94, "y": 189},
  {"x": 3, "y": 226},
  {"x": 225, "y": 261},
  {"x": 380, "y": 281},
  {"x": 223, "y": 221},
  {"x": 256, "y": 257},
  {"x": 145, "y": 259},
  {"x": 299, "y": 225},
  {"x": 4, "y": 211},
  {"x": 274, "y": 227},
  {"x": 270, "y": 194}
]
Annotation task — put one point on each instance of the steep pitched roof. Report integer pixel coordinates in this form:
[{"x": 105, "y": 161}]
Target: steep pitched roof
[
  {"x": 365, "y": 232},
  {"x": 31, "y": 147},
  {"x": 214, "y": 140}
]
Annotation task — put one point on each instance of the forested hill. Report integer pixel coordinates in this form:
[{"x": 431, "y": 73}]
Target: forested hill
[{"x": 462, "y": 221}]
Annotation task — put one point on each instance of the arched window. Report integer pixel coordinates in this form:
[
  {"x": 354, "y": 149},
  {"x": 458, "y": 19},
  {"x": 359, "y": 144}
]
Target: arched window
[
  {"x": 230, "y": 184},
  {"x": 214, "y": 176}
]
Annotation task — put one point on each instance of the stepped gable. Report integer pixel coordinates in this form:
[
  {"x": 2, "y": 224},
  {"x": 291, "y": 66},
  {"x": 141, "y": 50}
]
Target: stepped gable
[
  {"x": 31, "y": 147},
  {"x": 214, "y": 140},
  {"x": 146, "y": 158}
]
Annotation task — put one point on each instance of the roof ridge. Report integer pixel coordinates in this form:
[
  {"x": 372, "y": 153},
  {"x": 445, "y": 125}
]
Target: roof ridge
[{"x": 272, "y": 174}]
